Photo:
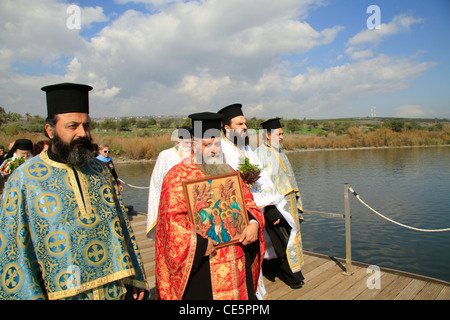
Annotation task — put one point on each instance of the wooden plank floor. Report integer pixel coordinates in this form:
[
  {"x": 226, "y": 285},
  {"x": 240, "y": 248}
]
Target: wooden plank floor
[{"x": 324, "y": 278}]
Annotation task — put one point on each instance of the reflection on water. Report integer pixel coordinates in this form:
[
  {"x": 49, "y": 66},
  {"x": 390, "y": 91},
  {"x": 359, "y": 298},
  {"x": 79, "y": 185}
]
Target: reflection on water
[{"x": 409, "y": 185}]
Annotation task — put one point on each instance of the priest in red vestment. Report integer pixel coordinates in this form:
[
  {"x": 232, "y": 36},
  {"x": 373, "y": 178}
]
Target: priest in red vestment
[{"x": 189, "y": 266}]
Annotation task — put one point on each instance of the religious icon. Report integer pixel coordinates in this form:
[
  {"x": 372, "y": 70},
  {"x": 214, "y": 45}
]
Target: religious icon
[{"x": 216, "y": 207}]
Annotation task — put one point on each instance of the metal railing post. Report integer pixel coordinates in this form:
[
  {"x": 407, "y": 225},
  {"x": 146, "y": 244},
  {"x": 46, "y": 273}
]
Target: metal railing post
[{"x": 348, "y": 240}]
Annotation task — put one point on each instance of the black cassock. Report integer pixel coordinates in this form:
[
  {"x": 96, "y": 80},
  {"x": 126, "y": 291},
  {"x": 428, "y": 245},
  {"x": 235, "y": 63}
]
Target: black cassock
[
  {"x": 199, "y": 284},
  {"x": 279, "y": 236}
]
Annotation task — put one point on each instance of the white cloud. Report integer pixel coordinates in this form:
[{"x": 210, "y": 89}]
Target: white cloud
[
  {"x": 155, "y": 3},
  {"x": 203, "y": 87},
  {"x": 90, "y": 15},
  {"x": 255, "y": 110},
  {"x": 410, "y": 111},
  {"x": 35, "y": 33},
  {"x": 359, "y": 54},
  {"x": 400, "y": 23},
  {"x": 357, "y": 44},
  {"x": 193, "y": 56},
  {"x": 323, "y": 89}
]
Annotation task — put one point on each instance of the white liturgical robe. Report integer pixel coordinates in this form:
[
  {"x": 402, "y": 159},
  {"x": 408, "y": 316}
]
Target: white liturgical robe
[
  {"x": 165, "y": 161},
  {"x": 263, "y": 190}
]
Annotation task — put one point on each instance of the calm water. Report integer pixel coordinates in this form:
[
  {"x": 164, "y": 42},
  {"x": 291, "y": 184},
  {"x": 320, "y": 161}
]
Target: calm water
[{"x": 409, "y": 185}]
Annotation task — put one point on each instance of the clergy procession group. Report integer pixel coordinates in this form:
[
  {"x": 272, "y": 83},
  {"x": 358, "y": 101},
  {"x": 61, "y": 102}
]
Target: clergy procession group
[{"x": 65, "y": 233}]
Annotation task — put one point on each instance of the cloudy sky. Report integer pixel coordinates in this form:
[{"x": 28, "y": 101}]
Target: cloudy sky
[{"x": 313, "y": 59}]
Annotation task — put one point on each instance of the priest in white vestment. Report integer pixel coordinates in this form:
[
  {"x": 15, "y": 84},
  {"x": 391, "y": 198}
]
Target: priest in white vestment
[
  {"x": 275, "y": 161},
  {"x": 165, "y": 161},
  {"x": 280, "y": 232}
]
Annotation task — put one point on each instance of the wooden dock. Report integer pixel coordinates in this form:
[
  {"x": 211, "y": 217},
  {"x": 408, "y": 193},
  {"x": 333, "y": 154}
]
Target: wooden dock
[{"x": 325, "y": 278}]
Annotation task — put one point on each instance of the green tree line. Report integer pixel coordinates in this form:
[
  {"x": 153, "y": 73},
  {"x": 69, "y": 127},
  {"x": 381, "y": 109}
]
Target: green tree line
[{"x": 12, "y": 123}]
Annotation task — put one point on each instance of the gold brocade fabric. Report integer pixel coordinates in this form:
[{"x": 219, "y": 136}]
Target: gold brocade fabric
[
  {"x": 175, "y": 243},
  {"x": 64, "y": 232},
  {"x": 280, "y": 171}
]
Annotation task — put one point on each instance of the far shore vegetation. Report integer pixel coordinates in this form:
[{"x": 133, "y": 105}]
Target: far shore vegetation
[{"x": 139, "y": 138}]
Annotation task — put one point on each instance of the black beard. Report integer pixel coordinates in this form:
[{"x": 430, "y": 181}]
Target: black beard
[
  {"x": 238, "y": 140},
  {"x": 71, "y": 156}
]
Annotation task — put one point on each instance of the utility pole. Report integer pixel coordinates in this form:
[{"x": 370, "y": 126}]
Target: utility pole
[{"x": 373, "y": 112}]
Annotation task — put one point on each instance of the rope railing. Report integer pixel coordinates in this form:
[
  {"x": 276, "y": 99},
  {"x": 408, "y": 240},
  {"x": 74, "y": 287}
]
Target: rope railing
[
  {"x": 390, "y": 220},
  {"x": 347, "y": 217},
  {"x": 130, "y": 185}
]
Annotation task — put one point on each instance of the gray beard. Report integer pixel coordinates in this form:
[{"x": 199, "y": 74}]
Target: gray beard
[{"x": 215, "y": 169}]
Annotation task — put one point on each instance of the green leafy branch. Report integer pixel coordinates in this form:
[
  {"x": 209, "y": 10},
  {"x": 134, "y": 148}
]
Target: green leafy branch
[
  {"x": 249, "y": 172},
  {"x": 13, "y": 165}
]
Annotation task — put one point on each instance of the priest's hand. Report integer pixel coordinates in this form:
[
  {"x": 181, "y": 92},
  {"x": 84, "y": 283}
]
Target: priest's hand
[
  {"x": 210, "y": 249},
  {"x": 250, "y": 234},
  {"x": 138, "y": 293}
]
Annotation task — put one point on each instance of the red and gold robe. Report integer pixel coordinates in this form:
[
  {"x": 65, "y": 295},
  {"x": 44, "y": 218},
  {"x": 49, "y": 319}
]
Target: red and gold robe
[{"x": 176, "y": 242}]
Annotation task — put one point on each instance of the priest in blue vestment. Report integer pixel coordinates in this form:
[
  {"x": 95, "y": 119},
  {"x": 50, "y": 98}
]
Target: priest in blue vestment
[{"x": 64, "y": 231}]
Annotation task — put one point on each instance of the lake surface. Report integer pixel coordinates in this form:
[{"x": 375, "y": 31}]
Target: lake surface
[{"x": 408, "y": 185}]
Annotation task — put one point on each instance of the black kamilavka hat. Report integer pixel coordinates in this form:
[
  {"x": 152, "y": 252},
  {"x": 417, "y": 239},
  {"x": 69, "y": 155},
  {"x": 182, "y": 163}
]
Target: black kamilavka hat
[
  {"x": 231, "y": 111},
  {"x": 20, "y": 144},
  {"x": 66, "y": 98},
  {"x": 209, "y": 121},
  {"x": 271, "y": 124}
]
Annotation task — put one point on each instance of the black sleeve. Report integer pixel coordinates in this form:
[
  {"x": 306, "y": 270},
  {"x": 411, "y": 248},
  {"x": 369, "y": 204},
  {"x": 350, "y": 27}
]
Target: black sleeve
[
  {"x": 272, "y": 214},
  {"x": 202, "y": 245}
]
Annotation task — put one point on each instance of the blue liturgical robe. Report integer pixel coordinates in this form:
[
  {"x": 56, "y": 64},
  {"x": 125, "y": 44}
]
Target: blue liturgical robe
[{"x": 64, "y": 234}]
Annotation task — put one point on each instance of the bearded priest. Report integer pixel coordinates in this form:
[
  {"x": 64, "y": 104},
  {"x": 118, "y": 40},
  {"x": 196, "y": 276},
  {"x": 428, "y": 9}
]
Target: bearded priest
[
  {"x": 64, "y": 231},
  {"x": 188, "y": 265}
]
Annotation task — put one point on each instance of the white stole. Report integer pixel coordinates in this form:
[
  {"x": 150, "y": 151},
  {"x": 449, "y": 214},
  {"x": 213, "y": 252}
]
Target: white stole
[
  {"x": 263, "y": 190},
  {"x": 165, "y": 161}
]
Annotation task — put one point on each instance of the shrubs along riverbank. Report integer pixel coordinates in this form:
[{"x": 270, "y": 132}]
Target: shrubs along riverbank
[{"x": 148, "y": 147}]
